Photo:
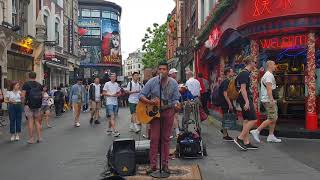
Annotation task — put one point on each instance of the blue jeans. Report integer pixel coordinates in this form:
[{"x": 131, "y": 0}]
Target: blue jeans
[
  {"x": 15, "y": 116},
  {"x": 112, "y": 110}
]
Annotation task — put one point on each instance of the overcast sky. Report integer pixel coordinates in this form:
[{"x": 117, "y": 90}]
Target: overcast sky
[{"x": 137, "y": 16}]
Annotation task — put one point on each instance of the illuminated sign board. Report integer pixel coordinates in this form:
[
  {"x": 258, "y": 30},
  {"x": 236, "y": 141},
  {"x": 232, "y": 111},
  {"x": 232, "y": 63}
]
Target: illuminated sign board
[
  {"x": 262, "y": 7},
  {"x": 284, "y": 42}
]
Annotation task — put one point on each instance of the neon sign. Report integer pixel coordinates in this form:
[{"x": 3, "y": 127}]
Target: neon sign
[
  {"x": 214, "y": 37},
  {"x": 284, "y": 42},
  {"x": 262, "y": 7}
]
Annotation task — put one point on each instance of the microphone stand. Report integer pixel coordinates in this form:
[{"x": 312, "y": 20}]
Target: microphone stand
[{"x": 160, "y": 173}]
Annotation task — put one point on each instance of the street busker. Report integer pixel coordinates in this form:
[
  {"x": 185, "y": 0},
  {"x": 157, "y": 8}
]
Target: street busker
[
  {"x": 13, "y": 98},
  {"x": 76, "y": 98},
  {"x": 245, "y": 100},
  {"x": 225, "y": 103},
  {"x": 268, "y": 99},
  {"x": 95, "y": 96},
  {"x": 111, "y": 90},
  {"x": 170, "y": 100},
  {"x": 58, "y": 101},
  {"x": 32, "y": 97},
  {"x": 45, "y": 108},
  {"x": 133, "y": 89}
]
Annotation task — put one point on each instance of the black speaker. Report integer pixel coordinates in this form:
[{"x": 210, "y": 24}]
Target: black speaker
[{"x": 122, "y": 157}]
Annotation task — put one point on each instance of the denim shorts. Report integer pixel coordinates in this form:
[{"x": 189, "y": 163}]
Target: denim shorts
[{"x": 112, "y": 109}]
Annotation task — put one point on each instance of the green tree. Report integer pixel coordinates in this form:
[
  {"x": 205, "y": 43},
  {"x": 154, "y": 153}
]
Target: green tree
[{"x": 154, "y": 45}]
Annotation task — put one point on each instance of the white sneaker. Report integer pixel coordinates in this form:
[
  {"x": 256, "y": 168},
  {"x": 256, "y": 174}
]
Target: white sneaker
[
  {"x": 274, "y": 139},
  {"x": 109, "y": 132},
  {"x": 17, "y": 137},
  {"x": 137, "y": 128},
  {"x": 115, "y": 134},
  {"x": 255, "y": 134},
  {"x": 77, "y": 124},
  {"x": 12, "y": 138},
  {"x": 131, "y": 128}
]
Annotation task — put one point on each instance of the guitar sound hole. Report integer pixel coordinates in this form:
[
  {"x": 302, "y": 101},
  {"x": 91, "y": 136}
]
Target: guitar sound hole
[{"x": 154, "y": 111}]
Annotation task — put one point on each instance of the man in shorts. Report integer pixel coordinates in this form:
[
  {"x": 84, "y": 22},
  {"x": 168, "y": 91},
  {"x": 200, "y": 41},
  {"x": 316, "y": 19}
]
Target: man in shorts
[
  {"x": 95, "y": 93},
  {"x": 246, "y": 103},
  {"x": 268, "y": 84},
  {"x": 112, "y": 91},
  {"x": 133, "y": 89},
  {"x": 32, "y": 101}
]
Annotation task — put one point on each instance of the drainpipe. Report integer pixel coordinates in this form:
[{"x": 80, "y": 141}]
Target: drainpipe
[{"x": 3, "y": 10}]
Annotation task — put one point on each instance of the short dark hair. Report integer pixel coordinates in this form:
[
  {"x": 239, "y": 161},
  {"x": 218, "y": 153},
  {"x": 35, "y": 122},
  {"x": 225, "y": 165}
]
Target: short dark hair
[
  {"x": 200, "y": 75},
  {"x": 13, "y": 83},
  {"x": 248, "y": 59},
  {"x": 227, "y": 70},
  {"x": 32, "y": 75},
  {"x": 79, "y": 79},
  {"x": 59, "y": 88},
  {"x": 163, "y": 63},
  {"x": 134, "y": 73}
]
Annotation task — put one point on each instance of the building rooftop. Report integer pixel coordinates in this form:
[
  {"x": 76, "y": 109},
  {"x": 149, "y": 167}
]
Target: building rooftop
[{"x": 100, "y": 2}]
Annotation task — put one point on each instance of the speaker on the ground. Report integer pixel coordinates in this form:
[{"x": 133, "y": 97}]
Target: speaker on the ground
[{"x": 122, "y": 157}]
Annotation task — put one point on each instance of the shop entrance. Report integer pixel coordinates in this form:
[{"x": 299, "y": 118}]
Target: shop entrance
[{"x": 290, "y": 79}]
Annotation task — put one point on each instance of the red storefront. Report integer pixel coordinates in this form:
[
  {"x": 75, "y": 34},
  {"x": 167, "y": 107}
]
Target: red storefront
[{"x": 285, "y": 31}]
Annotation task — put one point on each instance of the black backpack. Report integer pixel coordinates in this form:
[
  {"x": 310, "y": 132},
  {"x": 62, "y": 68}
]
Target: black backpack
[
  {"x": 58, "y": 97},
  {"x": 35, "y": 96},
  {"x": 130, "y": 86}
]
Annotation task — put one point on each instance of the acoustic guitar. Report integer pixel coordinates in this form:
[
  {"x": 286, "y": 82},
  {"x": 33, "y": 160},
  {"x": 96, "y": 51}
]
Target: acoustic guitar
[{"x": 146, "y": 112}]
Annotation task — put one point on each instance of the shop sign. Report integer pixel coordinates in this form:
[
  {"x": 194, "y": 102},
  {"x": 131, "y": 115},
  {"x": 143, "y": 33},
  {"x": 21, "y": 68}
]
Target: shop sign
[
  {"x": 284, "y": 42},
  {"x": 70, "y": 36},
  {"x": 262, "y": 7},
  {"x": 24, "y": 46},
  {"x": 214, "y": 38},
  {"x": 181, "y": 52},
  {"x": 89, "y": 23}
]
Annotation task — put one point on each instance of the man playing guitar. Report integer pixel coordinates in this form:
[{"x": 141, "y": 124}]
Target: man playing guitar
[{"x": 170, "y": 102}]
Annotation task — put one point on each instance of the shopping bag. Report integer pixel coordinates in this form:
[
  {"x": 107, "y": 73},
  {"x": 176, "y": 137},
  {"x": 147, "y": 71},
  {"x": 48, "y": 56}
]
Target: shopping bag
[
  {"x": 203, "y": 115},
  {"x": 229, "y": 121}
]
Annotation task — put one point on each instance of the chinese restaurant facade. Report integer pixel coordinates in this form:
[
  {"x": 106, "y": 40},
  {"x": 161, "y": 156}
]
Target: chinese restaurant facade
[{"x": 285, "y": 31}]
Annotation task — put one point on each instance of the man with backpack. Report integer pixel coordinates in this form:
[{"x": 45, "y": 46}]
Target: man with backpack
[
  {"x": 95, "y": 97},
  {"x": 58, "y": 101},
  {"x": 76, "y": 97},
  {"x": 133, "y": 89},
  {"x": 224, "y": 101},
  {"x": 32, "y": 98},
  {"x": 268, "y": 99},
  {"x": 245, "y": 100}
]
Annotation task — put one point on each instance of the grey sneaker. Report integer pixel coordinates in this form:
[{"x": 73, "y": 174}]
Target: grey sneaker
[{"x": 256, "y": 135}]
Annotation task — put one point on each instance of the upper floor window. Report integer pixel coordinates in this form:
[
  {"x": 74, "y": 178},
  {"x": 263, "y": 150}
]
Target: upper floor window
[
  {"x": 95, "y": 13},
  {"x": 114, "y": 16},
  {"x": 106, "y": 14},
  {"x": 85, "y": 13}
]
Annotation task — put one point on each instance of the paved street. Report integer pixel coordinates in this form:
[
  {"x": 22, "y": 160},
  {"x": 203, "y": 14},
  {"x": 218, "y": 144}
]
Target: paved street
[{"x": 79, "y": 154}]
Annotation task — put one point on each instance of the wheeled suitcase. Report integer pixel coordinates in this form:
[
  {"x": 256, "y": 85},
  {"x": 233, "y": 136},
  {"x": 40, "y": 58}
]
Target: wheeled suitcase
[
  {"x": 142, "y": 152},
  {"x": 190, "y": 145}
]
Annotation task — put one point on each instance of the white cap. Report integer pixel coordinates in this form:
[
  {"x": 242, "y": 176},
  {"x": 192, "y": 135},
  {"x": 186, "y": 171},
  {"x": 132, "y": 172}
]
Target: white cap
[{"x": 173, "y": 70}]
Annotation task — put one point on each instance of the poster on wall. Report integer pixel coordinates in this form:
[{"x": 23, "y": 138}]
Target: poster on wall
[
  {"x": 90, "y": 55},
  {"x": 111, "y": 42}
]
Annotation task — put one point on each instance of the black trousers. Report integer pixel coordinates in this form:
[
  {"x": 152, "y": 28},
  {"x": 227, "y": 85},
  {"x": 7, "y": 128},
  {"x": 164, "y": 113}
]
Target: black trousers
[
  {"x": 204, "y": 101},
  {"x": 58, "y": 108}
]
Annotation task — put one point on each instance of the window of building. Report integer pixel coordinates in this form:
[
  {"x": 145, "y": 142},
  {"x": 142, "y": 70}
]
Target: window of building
[
  {"x": 85, "y": 13},
  {"x": 14, "y": 12},
  {"x": 139, "y": 66},
  {"x": 106, "y": 14},
  {"x": 202, "y": 11},
  {"x": 95, "y": 13},
  {"x": 57, "y": 32},
  {"x": 114, "y": 16},
  {"x": 45, "y": 19}
]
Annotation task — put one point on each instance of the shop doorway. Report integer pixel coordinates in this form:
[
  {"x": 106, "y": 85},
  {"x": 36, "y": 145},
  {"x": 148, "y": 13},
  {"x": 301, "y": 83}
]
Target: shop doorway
[{"x": 290, "y": 79}]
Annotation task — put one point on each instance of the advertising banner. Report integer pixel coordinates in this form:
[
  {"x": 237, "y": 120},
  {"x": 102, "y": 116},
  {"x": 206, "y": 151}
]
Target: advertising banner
[{"x": 111, "y": 42}]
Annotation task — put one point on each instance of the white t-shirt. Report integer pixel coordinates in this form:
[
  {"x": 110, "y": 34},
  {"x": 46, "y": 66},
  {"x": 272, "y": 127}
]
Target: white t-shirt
[
  {"x": 134, "y": 98},
  {"x": 97, "y": 91},
  {"x": 268, "y": 77},
  {"x": 14, "y": 96},
  {"x": 193, "y": 86},
  {"x": 111, "y": 88}
]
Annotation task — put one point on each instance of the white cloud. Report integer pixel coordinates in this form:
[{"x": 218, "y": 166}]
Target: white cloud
[{"x": 137, "y": 16}]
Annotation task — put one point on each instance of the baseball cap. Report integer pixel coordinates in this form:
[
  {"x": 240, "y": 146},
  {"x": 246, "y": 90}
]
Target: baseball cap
[{"x": 173, "y": 70}]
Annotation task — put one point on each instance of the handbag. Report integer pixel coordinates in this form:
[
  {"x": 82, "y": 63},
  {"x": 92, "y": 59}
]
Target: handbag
[
  {"x": 203, "y": 115},
  {"x": 229, "y": 121}
]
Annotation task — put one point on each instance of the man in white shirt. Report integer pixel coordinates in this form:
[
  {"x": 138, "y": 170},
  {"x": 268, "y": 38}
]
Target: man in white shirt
[
  {"x": 134, "y": 88},
  {"x": 193, "y": 84},
  {"x": 268, "y": 84},
  {"x": 95, "y": 93},
  {"x": 112, "y": 91}
]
